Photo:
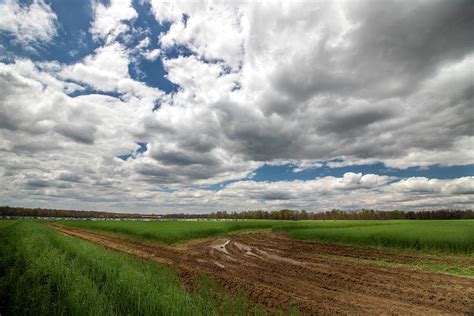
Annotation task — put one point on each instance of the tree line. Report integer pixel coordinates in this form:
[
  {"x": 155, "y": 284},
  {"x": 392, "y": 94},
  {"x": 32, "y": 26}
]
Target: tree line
[
  {"x": 284, "y": 214},
  {"x": 43, "y": 212}
]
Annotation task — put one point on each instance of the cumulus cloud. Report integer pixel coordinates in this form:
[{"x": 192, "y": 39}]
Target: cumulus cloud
[
  {"x": 332, "y": 83},
  {"x": 213, "y": 32},
  {"x": 31, "y": 24},
  {"x": 152, "y": 54},
  {"x": 101, "y": 70},
  {"x": 107, "y": 70},
  {"x": 351, "y": 191},
  {"x": 463, "y": 185},
  {"x": 109, "y": 20},
  {"x": 45, "y": 130}
]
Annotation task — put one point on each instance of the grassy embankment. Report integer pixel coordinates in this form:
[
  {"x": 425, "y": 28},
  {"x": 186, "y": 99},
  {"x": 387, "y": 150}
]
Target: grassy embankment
[{"x": 45, "y": 273}]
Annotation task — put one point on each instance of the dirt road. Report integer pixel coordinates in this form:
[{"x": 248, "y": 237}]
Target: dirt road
[{"x": 317, "y": 278}]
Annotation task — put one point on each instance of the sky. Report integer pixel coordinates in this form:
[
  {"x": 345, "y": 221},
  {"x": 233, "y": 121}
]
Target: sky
[{"x": 185, "y": 106}]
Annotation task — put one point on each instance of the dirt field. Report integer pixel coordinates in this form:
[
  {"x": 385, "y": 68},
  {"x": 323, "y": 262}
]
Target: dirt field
[{"x": 273, "y": 270}]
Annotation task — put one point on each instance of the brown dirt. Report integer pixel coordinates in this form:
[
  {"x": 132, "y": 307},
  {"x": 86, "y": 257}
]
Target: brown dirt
[{"x": 274, "y": 271}]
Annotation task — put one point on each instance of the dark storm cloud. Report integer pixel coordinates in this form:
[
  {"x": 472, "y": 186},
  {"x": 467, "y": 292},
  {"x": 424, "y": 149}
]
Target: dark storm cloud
[
  {"x": 401, "y": 40},
  {"x": 340, "y": 121},
  {"x": 394, "y": 47},
  {"x": 257, "y": 137}
]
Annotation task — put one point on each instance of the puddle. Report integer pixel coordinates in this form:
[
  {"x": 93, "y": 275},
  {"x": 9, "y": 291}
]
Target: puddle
[{"x": 221, "y": 247}]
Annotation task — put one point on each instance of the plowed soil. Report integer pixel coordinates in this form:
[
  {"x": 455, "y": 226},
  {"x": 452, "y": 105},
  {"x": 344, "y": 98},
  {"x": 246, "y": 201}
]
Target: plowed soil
[{"x": 274, "y": 271}]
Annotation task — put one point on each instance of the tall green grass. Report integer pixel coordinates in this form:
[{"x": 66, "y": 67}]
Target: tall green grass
[
  {"x": 170, "y": 232},
  {"x": 45, "y": 273},
  {"x": 292, "y": 225},
  {"x": 452, "y": 236}
]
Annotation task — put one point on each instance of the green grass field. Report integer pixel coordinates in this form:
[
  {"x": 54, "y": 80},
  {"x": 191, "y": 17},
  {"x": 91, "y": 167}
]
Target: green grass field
[
  {"x": 45, "y": 273},
  {"x": 293, "y": 225},
  {"x": 5, "y": 223},
  {"x": 170, "y": 232},
  {"x": 450, "y": 236}
]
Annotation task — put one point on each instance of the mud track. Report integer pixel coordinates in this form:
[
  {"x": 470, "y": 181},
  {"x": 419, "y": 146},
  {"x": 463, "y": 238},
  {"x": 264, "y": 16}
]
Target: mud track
[{"x": 273, "y": 270}]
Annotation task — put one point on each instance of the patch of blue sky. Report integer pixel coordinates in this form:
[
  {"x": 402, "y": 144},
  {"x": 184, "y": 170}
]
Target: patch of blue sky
[
  {"x": 87, "y": 90},
  {"x": 142, "y": 147},
  {"x": 152, "y": 72},
  {"x": 433, "y": 172},
  {"x": 178, "y": 50},
  {"x": 72, "y": 41},
  {"x": 285, "y": 172},
  {"x": 146, "y": 20},
  {"x": 273, "y": 173}
]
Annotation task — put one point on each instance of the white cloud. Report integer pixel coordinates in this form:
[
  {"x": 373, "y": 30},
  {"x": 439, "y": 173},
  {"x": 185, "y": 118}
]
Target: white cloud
[
  {"x": 144, "y": 43},
  {"x": 214, "y": 34},
  {"x": 107, "y": 70},
  {"x": 109, "y": 21},
  {"x": 102, "y": 70},
  {"x": 152, "y": 54},
  {"x": 35, "y": 103},
  {"x": 464, "y": 185},
  {"x": 352, "y": 191},
  {"x": 32, "y": 24},
  {"x": 45, "y": 134},
  {"x": 305, "y": 165},
  {"x": 202, "y": 84},
  {"x": 170, "y": 11}
]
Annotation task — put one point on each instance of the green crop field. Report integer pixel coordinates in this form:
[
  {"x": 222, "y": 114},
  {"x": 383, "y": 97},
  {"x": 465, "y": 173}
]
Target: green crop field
[
  {"x": 45, "y": 273},
  {"x": 5, "y": 223},
  {"x": 320, "y": 224},
  {"x": 170, "y": 232},
  {"x": 452, "y": 236}
]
